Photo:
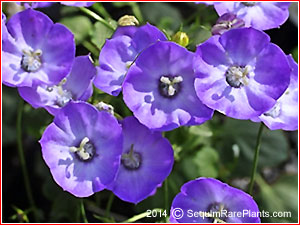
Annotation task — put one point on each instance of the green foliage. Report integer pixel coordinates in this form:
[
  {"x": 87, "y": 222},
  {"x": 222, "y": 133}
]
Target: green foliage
[
  {"x": 279, "y": 197},
  {"x": 99, "y": 34},
  {"x": 274, "y": 147},
  {"x": 162, "y": 15},
  {"x": 79, "y": 25}
]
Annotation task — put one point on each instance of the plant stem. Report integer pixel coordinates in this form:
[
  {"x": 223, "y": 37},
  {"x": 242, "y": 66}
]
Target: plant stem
[
  {"x": 96, "y": 17},
  {"x": 83, "y": 211},
  {"x": 109, "y": 204},
  {"x": 100, "y": 9},
  {"x": 22, "y": 159},
  {"x": 255, "y": 160},
  {"x": 89, "y": 46},
  {"x": 166, "y": 189},
  {"x": 137, "y": 11}
]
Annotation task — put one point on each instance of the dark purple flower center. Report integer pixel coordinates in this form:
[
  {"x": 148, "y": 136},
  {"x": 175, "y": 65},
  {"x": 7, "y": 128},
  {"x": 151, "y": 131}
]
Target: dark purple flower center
[
  {"x": 249, "y": 4},
  {"x": 217, "y": 212},
  {"x": 237, "y": 76},
  {"x": 86, "y": 150},
  {"x": 275, "y": 111},
  {"x": 131, "y": 160},
  {"x": 169, "y": 86},
  {"x": 31, "y": 60}
]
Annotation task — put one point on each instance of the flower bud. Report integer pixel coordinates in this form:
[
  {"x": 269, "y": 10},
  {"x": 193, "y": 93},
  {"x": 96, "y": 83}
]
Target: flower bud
[
  {"x": 181, "y": 38},
  {"x": 128, "y": 21},
  {"x": 227, "y": 22}
]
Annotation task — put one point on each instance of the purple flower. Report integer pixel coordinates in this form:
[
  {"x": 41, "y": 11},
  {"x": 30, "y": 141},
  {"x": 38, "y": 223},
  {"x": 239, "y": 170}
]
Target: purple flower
[
  {"x": 159, "y": 88},
  {"x": 82, "y": 148},
  {"x": 118, "y": 54},
  {"x": 240, "y": 73},
  {"x": 34, "y": 5},
  {"x": 226, "y": 22},
  {"x": 147, "y": 160},
  {"x": 284, "y": 115},
  {"x": 205, "y": 3},
  {"x": 259, "y": 15},
  {"x": 127, "y": 31},
  {"x": 207, "y": 200},
  {"x": 35, "y": 50},
  {"x": 76, "y": 86},
  {"x": 78, "y": 4}
]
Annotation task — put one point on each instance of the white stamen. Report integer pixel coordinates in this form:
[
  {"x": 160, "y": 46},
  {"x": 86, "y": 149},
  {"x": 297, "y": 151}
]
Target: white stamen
[
  {"x": 171, "y": 85},
  {"x": 171, "y": 90},
  {"x": 165, "y": 80},
  {"x": 177, "y": 79},
  {"x": 81, "y": 151}
]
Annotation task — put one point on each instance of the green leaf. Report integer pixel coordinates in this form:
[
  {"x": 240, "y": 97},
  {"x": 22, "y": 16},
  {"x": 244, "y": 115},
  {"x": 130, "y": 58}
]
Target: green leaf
[
  {"x": 79, "y": 25},
  {"x": 203, "y": 164},
  {"x": 162, "y": 14},
  {"x": 198, "y": 34},
  {"x": 280, "y": 196},
  {"x": 99, "y": 34},
  {"x": 274, "y": 146}
]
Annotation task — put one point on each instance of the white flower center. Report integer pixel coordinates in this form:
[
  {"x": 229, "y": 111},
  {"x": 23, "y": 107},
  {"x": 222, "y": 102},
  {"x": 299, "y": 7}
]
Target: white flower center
[
  {"x": 31, "y": 60},
  {"x": 63, "y": 96},
  {"x": 170, "y": 86},
  {"x": 237, "y": 76},
  {"x": 85, "y": 151}
]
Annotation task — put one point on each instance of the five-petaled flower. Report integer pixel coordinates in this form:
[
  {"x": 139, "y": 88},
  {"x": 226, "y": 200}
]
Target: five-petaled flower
[
  {"x": 240, "y": 73},
  {"x": 147, "y": 160},
  {"x": 82, "y": 148},
  {"x": 35, "y": 50},
  {"x": 215, "y": 202},
  {"x": 159, "y": 88}
]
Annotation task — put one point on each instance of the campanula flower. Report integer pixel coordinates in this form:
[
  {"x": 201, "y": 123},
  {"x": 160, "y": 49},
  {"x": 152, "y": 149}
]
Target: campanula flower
[
  {"x": 227, "y": 22},
  {"x": 159, "y": 88},
  {"x": 240, "y": 73},
  {"x": 82, "y": 148},
  {"x": 76, "y": 86},
  {"x": 35, "y": 50},
  {"x": 259, "y": 15},
  {"x": 119, "y": 53},
  {"x": 207, "y": 200},
  {"x": 284, "y": 114},
  {"x": 147, "y": 160}
]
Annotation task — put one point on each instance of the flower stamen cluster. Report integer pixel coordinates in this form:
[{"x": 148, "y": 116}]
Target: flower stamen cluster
[
  {"x": 236, "y": 76},
  {"x": 85, "y": 151},
  {"x": 31, "y": 60},
  {"x": 170, "y": 86}
]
